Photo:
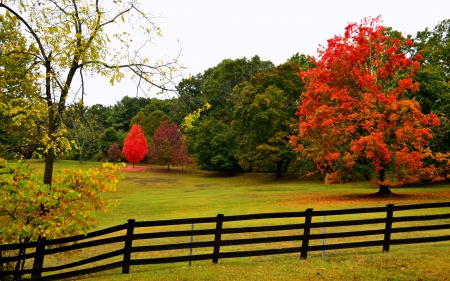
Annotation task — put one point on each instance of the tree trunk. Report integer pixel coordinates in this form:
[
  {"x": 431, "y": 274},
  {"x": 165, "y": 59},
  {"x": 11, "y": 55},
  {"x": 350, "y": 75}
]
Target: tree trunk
[
  {"x": 133, "y": 164},
  {"x": 50, "y": 156},
  {"x": 48, "y": 172},
  {"x": 168, "y": 167},
  {"x": 279, "y": 166},
  {"x": 383, "y": 188},
  {"x": 80, "y": 150}
]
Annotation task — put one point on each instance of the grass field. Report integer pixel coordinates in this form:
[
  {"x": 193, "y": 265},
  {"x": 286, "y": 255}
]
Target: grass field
[{"x": 157, "y": 194}]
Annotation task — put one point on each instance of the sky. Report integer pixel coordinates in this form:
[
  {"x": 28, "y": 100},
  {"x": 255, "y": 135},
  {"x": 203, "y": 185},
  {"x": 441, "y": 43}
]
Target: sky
[{"x": 208, "y": 31}]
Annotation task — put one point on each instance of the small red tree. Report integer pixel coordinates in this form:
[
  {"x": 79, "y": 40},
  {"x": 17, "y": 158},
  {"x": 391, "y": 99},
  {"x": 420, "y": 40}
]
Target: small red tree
[
  {"x": 354, "y": 121},
  {"x": 114, "y": 152},
  {"x": 168, "y": 147},
  {"x": 135, "y": 145}
]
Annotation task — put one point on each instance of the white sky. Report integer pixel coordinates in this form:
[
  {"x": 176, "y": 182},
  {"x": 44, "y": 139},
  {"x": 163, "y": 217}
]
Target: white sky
[{"x": 211, "y": 31}]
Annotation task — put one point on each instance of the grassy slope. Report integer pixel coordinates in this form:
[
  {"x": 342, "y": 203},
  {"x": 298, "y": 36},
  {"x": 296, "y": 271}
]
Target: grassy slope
[{"x": 156, "y": 195}]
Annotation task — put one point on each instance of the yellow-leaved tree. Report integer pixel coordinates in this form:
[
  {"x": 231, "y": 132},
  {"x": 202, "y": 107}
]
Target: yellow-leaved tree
[
  {"x": 59, "y": 41},
  {"x": 72, "y": 37}
]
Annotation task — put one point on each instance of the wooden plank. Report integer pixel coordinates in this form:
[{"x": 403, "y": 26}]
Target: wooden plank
[
  {"x": 179, "y": 246},
  {"x": 280, "y": 215},
  {"x": 62, "y": 249},
  {"x": 421, "y": 228},
  {"x": 263, "y": 228},
  {"x": 90, "y": 235},
  {"x": 421, "y": 218},
  {"x": 346, "y": 234},
  {"x": 347, "y": 223},
  {"x": 349, "y": 211},
  {"x": 346, "y": 245},
  {"x": 66, "y": 239},
  {"x": 175, "y": 222},
  {"x": 66, "y": 266},
  {"x": 262, "y": 240},
  {"x": 172, "y": 259},
  {"x": 421, "y": 206}
]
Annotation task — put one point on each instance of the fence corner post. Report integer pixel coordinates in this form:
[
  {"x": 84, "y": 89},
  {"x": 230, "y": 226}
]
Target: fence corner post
[
  {"x": 217, "y": 238},
  {"x": 306, "y": 232},
  {"x": 388, "y": 228},
  {"x": 38, "y": 262},
  {"x": 128, "y": 245}
]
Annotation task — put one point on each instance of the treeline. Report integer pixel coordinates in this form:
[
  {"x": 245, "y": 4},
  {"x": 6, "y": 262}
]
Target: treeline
[{"x": 241, "y": 114}]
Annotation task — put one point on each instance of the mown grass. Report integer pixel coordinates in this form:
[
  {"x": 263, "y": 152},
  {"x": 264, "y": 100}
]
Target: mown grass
[{"x": 157, "y": 194}]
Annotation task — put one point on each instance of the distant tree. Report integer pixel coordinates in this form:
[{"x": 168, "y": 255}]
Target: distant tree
[
  {"x": 168, "y": 146},
  {"x": 264, "y": 112},
  {"x": 114, "y": 152},
  {"x": 354, "y": 120},
  {"x": 109, "y": 136},
  {"x": 215, "y": 146},
  {"x": 434, "y": 76},
  {"x": 150, "y": 123},
  {"x": 135, "y": 145}
]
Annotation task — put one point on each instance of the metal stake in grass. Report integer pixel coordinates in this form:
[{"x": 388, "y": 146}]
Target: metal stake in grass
[
  {"x": 323, "y": 232},
  {"x": 192, "y": 241}
]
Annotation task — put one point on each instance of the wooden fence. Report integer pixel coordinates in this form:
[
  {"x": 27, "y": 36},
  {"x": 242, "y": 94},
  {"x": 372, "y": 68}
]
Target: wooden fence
[{"x": 301, "y": 241}]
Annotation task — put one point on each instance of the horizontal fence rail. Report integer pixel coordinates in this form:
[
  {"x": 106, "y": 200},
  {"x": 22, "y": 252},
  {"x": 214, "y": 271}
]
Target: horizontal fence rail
[{"x": 220, "y": 233}]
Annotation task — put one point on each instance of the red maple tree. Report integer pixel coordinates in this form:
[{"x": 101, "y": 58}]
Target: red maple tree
[
  {"x": 354, "y": 122},
  {"x": 168, "y": 146},
  {"x": 135, "y": 145}
]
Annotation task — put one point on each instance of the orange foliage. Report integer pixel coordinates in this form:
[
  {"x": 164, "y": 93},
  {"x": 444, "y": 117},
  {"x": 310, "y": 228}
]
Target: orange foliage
[{"x": 353, "y": 111}]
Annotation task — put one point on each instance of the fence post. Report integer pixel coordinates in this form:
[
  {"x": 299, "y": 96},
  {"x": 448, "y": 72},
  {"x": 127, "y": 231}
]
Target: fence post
[
  {"x": 306, "y": 231},
  {"x": 217, "y": 238},
  {"x": 388, "y": 228},
  {"x": 39, "y": 258},
  {"x": 128, "y": 245}
]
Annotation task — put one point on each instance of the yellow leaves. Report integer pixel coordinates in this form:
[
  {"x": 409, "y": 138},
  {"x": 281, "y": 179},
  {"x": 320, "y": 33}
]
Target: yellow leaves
[{"x": 68, "y": 205}]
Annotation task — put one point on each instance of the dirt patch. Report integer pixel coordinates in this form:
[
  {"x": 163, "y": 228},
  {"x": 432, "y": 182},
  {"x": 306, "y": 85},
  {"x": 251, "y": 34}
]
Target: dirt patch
[
  {"x": 130, "y": 168},
  {"x": 320, "y": 199},
  {"x": 204, "y": 185}
]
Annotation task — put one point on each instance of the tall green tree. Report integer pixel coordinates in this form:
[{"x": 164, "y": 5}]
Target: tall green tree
[
  {"x": 74, "y": 37},
  {"x": 264, "y": 112},
  {"x": 215, "y": 146}
]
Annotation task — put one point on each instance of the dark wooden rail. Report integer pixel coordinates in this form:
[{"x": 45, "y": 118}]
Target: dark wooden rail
[{"x": 302, "y": 238}]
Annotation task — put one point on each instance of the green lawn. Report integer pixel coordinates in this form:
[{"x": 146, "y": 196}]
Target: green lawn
[{"x": 157, "y": 194}]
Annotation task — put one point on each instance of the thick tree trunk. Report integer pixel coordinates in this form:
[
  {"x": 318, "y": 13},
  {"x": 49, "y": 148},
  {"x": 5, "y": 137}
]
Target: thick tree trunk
[
  {"x": 383, "y": 188},
  {"x": 279, "y": 166},
  {"x": 168, "y": 168},
  {"x": 48, "y": 171}
]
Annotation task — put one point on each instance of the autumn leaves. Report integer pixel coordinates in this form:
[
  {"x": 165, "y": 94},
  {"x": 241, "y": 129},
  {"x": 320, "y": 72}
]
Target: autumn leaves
[{"x": 355, "y": 122}]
